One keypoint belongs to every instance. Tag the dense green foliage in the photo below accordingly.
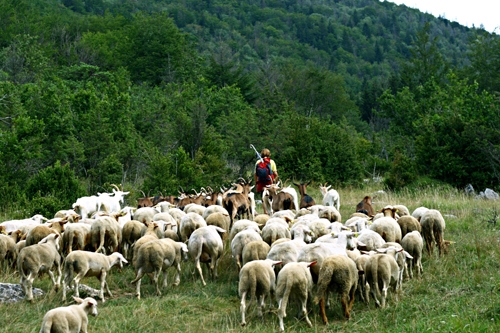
(161, 94)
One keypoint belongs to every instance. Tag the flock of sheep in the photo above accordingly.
(294, 253)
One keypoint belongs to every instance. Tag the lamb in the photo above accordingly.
(71, 319)
(295, 281)
(413, 243)
(338, 273)
(8, 254)
(257, 279)
(158, 255)
(84, 264)
(251, 233)
(76, 236)
(255, 250)
(38, 259)
(330, 196)
(382, 273)
(190, 223)
(433, 226)
(408, 223)
(205, 245)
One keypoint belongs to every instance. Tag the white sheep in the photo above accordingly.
(105, 232)
(76, 236)
(255, 250)
(338, 273)
(13, 225)
(38, 259)
(241, 225)
(205, 245)
(413, 243)
(330, 196)
(288, 251)
(145, 214)
(370, 240)
(158, 255)
(195, 208)
(419, 212)
(214, 209)
(70, 319)
(275, 229)
(190, 223)
(294, 281)
(85, 264)
(382, 273)
(433, 226)
(386, 226)
(251, 233)
(257, 279)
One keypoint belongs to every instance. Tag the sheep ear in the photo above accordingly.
(77, 299)
(383, 250)
(361, 243)
(407, 255)
(312, 264)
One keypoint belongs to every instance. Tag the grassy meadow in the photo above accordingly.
(457, 293)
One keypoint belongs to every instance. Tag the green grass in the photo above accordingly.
(457, 293)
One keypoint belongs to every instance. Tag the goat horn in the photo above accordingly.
(143, 194)
(116, 187)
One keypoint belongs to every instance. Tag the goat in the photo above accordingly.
(365, 206)
(238, 203)
(305, 199)
(279, 200)
(145, 201)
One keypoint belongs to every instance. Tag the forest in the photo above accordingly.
(159, 94)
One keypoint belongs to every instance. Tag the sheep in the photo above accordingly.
(360, 265)
(402, 210)
(251, 233)
(39, 232)
(164, 218)
(71, 319)
(382, 273)
(13, 225)
(105, 231)
(295, 281)
(240, 226)
(158, 255)
(145, 214)
(401, 257)
(190, 223)
(433, 226)
(387, 226)
(131, 232)
(330, 196)
(357, 223)
(285, 214)
(337, 273)
(219, 219)
(305, 199)
(177, 214)
(214, 209)
(257, 279)
(274, 229)
(288, 251)
(370, 240)
(8, 254)
(413, 243)
(419, 212)
(255, 250)
(39, 258)
(365, 206)
(150, 234)
(205, 245)
(76, 236)
(195, 208)
(85, 264)
(330, 213)
(408, 223)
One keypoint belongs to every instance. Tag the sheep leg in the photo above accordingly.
(52, 277)
(304, 311)
(345, 306)
(198, 268)
(178, 275)
(137, 282)
(352, 295)
(322, 310)
(76, 282)
(155, 280)
(243, 308)
(104, 285)
(281, 314)
(260, 306)
(384, 295)
(165, 276)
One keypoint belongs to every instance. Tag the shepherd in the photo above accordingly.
(265, 170)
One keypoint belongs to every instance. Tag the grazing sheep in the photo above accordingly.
(338, 273)
(386, 226)
(294, 281)
(360, 265)
(205, 245)
(38, 259)
(255, 250)
(190, 223)
(84, 264)
(433, 226)
(165, 218)
(76, 236)
(382, 273)
(413, 243)
(419, 212)
(158, 255)
(251, 233)
(365, 206)
(330, 196)
(257, 279)
(8, 254)
(408, 223)
(70, 319)
(330, 213)
(402, 210)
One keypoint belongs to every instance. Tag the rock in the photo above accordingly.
(11, 293)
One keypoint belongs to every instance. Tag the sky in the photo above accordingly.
(465, 12)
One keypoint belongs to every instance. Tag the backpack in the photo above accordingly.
(263, 171)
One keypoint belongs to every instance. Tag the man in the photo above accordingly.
(265, 172)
